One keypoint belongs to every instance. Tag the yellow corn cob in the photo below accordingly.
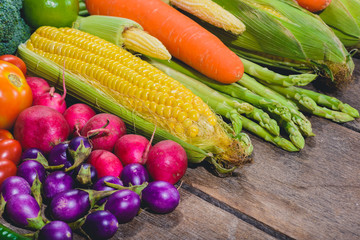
(137, 86)
(140, 41)
(212, 13)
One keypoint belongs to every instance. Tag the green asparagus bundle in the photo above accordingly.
(281, 34)
(273, 106)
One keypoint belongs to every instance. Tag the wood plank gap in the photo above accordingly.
(351, 126)
(244, 217)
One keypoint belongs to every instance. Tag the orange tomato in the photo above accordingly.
(15, 94)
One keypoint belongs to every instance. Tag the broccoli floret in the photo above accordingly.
(13, 29)
(21, 34)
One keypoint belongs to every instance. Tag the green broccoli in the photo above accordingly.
(13, 29)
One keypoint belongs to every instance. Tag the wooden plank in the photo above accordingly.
(194, 218)
(313, 194)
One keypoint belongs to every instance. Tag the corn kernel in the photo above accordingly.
(212, 120)
(175, 112)
(160, 109)
(167, 111)
(194, 115)
(181, 116)
(187, 122)
(193, 131)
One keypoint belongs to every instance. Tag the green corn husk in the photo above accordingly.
(281, 34)
(42, 67)
(343, 16)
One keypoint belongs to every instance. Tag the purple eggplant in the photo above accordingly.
(124, 204)
(161, 197)
(33, 154)
(134, 174)
(100, 225)
(100, 185)
(79, 149)
(59, 156)
(24, 211)
(57, 182)
(30, 169)
(56, 230)
(71, 205)
(85, 174)
(14, 185)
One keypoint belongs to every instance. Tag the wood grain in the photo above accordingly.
(313, 194)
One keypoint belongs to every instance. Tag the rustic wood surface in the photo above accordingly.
(312, 194)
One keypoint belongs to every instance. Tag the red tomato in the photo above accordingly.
(15, 94)
(7, 169)
(10, 149)
(5, 134)
(16, 61)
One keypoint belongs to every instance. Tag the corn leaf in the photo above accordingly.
(281, 34)
(343, 16)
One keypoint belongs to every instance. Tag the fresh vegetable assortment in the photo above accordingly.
(93, 165)
(81, 189)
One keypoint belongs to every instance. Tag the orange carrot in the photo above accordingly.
(185, 39)
(314, 5)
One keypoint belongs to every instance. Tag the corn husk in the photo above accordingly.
(343, 16)
(282, 34)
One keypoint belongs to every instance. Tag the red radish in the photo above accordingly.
(132, 148)
(105, 163)
(40, 127)
(108, 135)
(77, 116)
(39, 86)
(53, 100)
(167, 161)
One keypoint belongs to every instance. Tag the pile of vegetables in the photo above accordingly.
(104, 175)
(156, 93)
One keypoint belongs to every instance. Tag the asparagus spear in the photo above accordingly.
(261, 132)
(261, 117)
(293, 131)
(309, 105)
(271, 77)
(281, 113)
(319, 98)
(297, 117)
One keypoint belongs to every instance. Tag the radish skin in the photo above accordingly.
(131, 148)
(52, 99)
(105, 163)
(39, 86)
(40, 127)
(77, 116)
(106, 137)
(167, 161)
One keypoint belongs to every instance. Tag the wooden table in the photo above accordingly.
(312, 194)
